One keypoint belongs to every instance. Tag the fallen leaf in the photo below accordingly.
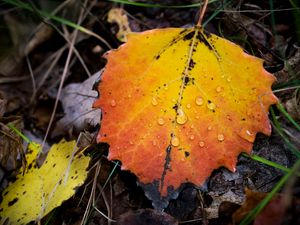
(212, 211)
(273, 213)
(179, 103)
(118, 16)
(77, 101)
(36, 191)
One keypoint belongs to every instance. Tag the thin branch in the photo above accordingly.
(202, 12)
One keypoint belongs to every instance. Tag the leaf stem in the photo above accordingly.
(202, 12)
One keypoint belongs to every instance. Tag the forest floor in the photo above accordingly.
(36, 66)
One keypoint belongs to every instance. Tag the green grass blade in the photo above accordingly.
(295, 83)
(287, 115)
(149, 5)
(216, 12)
(296, 15)
(61, 20)
(267, 162)
(18, 132)
(254, 212)
(273, 22)
(279, 130)
(110, 175)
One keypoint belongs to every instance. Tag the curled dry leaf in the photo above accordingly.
(179, 103)
(77, 101)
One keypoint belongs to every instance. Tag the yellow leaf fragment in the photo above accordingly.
(37, 191)
(118, 16)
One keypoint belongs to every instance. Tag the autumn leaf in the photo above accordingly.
(37, 191)
(178, 103)
(118, 16)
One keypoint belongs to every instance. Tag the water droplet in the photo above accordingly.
(181, 117)
(219, 89)
(209, 128)
(228, 79)
(197, 117)
(173, 100)
(154, 142)
(221, 137)
(150, 124)
(131, 142)
(247, 135)
(161, 121)
(129, 96)
(192, 137)
(175, 141)
(201, 144)
(199, 100)
(211, 106)
(188, 106)
(154, 101)
(113, 103)
(166, 87)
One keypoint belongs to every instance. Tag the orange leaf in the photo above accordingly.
(179, 103)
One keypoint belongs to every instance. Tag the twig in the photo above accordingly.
(202, 12)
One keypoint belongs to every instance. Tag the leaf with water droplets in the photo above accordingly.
(204, 98)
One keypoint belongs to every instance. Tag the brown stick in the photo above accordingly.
(203, 9)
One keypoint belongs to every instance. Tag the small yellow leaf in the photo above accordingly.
(118, 16)
(37, 191)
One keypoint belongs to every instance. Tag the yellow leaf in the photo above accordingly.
(118, 16)
(37, 191)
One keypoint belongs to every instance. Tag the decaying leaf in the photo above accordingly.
(179, 103)
(77, 101)
(212, 211)
(118, 15)
(273, 213)
(37, 191)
